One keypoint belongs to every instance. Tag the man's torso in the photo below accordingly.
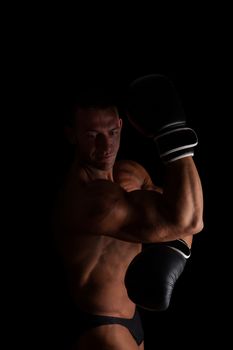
(96, 264)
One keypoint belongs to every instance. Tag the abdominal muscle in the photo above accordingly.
(97, 266)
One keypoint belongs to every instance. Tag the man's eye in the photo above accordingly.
(91, 135)
(114, 132)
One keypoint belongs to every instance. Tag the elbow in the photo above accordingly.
(187, 224)
(194, 226)
(197, 226)
(197, 223)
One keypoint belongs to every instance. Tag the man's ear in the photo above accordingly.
(120, 122)
(69, 134)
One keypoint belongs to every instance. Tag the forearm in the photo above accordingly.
(182, 195)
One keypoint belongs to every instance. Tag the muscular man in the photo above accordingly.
(104, 213)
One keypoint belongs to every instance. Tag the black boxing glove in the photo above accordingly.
(152, 274)
(155, 109)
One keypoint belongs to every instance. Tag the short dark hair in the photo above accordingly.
(99, 97)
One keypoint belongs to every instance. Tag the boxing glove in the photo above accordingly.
(155, 109)
(152, 274)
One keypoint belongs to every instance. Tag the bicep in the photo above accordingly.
(138, 216)
(135, 216)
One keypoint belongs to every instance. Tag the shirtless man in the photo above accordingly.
(105, 211)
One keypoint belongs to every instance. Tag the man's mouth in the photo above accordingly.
(103, 157)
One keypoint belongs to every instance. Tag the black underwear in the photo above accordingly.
(134, 325)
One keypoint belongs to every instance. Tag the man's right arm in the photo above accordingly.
(145, 216)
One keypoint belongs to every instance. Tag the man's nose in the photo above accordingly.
(104, 143)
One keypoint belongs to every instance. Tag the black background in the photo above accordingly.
(52, 71)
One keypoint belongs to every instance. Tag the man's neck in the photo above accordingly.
(89, 173)
(96, 174)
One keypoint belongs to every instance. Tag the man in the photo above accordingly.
(105, 212)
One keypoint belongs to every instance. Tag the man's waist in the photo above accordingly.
(105, 303)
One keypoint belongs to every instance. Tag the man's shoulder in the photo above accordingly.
(126, 171)
(130, 175)
(128, 165)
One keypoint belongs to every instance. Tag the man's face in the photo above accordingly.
(97, 135)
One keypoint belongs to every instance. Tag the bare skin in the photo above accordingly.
(105, 212)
